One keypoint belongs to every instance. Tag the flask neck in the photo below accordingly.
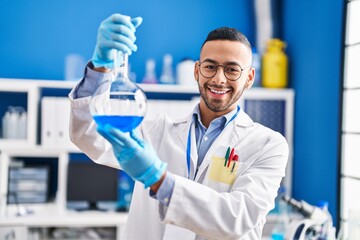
(121, 66)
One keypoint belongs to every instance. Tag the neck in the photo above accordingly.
(208, 115)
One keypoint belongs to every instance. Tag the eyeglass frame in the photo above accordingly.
(223, 66)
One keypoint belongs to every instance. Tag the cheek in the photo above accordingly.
(239, 86)
(202, 82)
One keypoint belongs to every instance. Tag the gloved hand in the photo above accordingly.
(136, 157)
(115, 32)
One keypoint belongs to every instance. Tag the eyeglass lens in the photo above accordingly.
(231, 71)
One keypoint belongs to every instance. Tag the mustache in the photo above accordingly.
(220, 87)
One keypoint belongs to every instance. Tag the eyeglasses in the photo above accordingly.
(231, 71)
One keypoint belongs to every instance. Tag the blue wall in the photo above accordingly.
(36, 36)
(313, 30)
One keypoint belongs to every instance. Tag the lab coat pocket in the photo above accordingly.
(224, 166)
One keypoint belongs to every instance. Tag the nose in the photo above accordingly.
(219, 76)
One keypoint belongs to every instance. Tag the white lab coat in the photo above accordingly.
(198, 209)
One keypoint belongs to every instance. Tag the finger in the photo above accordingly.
(118, 46)
(118, 38)
(120, 29)
(136, 21)
(108, 36)
(123, 39)
(108, 136)
(122, 19)
(110, 31)
(136, 136)
(121, 136)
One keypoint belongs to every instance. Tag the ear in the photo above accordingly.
(196, 71)
(250, 78)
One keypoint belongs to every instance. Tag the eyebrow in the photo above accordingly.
(215, 62)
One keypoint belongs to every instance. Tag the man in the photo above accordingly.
(211, 175)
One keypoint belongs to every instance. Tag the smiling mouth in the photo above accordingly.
(219, 92)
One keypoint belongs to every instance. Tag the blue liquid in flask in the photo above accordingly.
(124, 123)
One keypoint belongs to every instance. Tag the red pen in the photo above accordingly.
(236, 159)
(231, 157)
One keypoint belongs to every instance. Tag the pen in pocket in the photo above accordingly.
(236, 159)
(227, 156)
(231, 157)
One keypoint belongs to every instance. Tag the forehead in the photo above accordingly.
(224, 51)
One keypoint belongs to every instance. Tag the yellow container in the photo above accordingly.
(275, 65)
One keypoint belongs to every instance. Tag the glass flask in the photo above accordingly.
(123, 103)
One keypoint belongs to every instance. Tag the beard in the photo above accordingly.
(219, 105)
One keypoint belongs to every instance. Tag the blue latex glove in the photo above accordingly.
(136, 157)
(115, 32)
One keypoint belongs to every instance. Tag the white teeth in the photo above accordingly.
(217, 92)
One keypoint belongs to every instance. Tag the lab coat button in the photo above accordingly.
(166, 200)
(205, 138)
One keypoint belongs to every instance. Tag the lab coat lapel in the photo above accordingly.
(173, 232)
(183, 134)
(183, 127)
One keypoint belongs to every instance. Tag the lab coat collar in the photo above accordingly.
(242, 120)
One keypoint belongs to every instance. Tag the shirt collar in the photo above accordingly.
(224, 119)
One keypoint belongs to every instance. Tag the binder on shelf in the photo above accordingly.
(55, 120)
(48, 122)
(28, 184)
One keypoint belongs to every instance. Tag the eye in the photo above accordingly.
(232, 69)
(209, 66)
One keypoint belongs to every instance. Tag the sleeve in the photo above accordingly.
(165, 190)
(88, 84)
(82, 129)
(234, 214)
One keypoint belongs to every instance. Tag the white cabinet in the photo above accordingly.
(53, 214)
(48, 120)
(32, 90)
(12, 155)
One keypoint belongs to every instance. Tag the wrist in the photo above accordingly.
(99, 69)
(155, 187)
(153, 174)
